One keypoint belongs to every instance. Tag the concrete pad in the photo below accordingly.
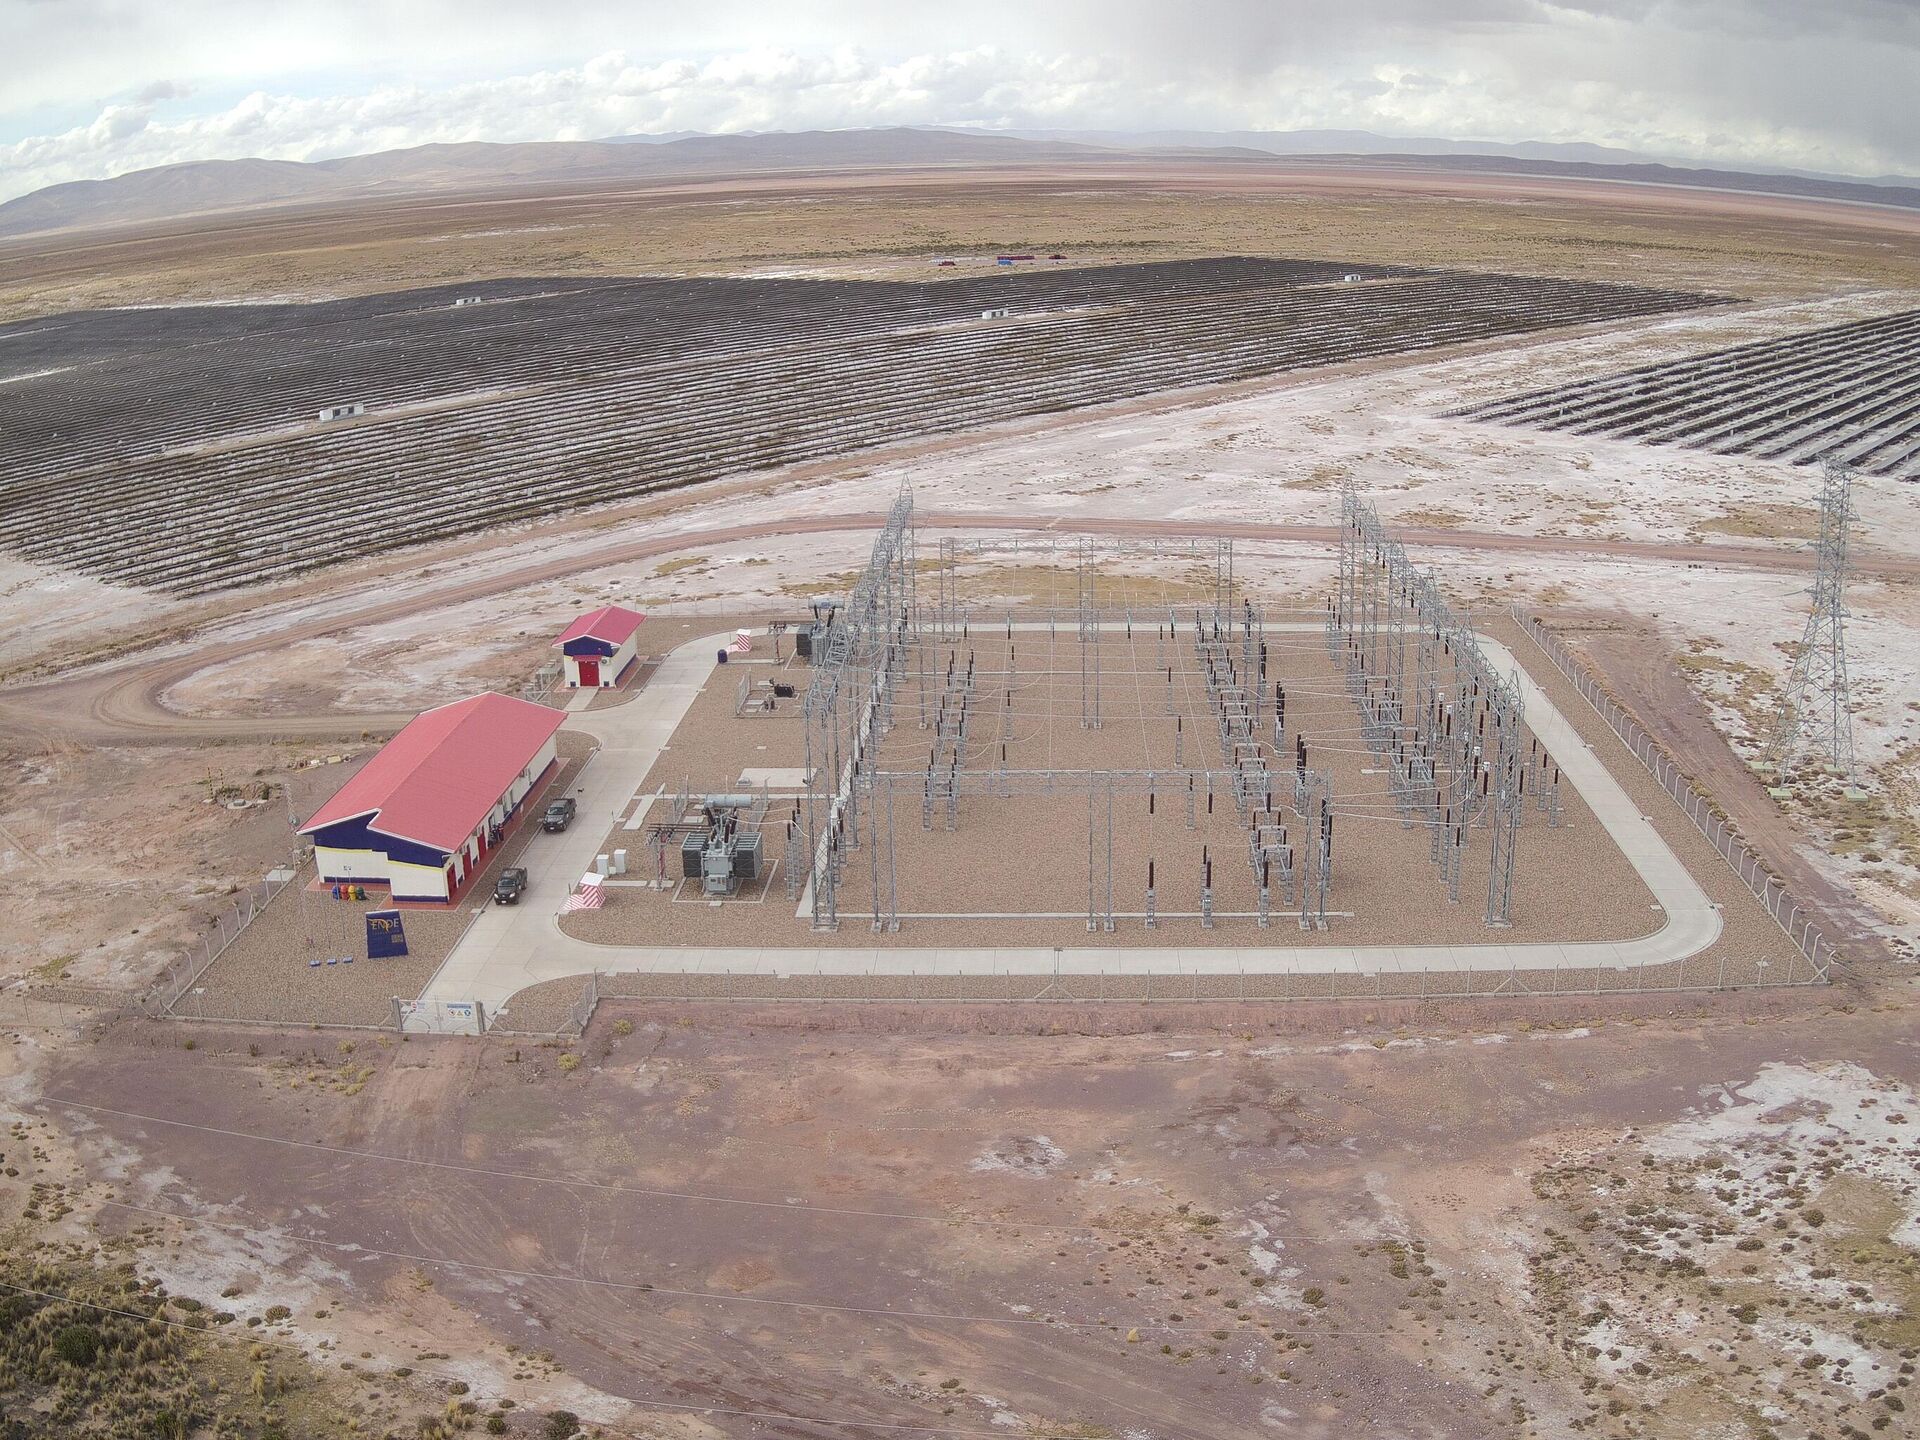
(775, 779)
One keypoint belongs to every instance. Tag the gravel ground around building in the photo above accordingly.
(712, 745)
(266, 975)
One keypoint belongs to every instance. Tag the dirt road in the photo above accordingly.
(1230, 1231)
(120, 703)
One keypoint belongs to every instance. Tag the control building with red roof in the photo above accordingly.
(423, 813)
(596, 649)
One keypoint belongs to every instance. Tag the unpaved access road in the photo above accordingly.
(120, 703)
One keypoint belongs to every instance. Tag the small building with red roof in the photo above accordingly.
(596, 649)
(422, 814)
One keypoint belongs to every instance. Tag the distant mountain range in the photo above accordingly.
(1366, 142)
(1320, 142)
(207, 186)
(200, 186)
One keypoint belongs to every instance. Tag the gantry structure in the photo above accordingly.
(1435, 714)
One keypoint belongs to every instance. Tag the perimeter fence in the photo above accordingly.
(184, 971)
(1696, 975)
(1767, 888)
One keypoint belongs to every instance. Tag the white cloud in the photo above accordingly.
(1727, 81)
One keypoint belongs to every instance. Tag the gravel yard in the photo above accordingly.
(1571, 882)
(266, 975)
(1025, 859)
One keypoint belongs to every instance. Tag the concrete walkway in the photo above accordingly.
(507, 950)
(505, 940)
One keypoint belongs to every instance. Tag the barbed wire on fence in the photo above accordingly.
(1761, 882)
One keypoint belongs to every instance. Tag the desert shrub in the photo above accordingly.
(77, 1345)
(562, 1424)
(14, 1309)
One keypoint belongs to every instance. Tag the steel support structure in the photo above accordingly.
(1456, 746)
(1089, 607)
(849, 701)
(1816, 716)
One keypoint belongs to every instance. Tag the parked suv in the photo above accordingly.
(512, 883)
(559, 815)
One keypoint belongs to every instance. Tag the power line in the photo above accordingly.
(1815, 714)
(678, 1406)
(708, 1296)
(599, 1186)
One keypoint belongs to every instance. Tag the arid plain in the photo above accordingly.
(1618, 1215)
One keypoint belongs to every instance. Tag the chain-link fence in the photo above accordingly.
(58, 1005)
(184, 971)
(539, 687)
(1720, 970)
(537, 1016)
(1766, 887)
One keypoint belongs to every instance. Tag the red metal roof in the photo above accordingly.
(611, 623)
(435, 781)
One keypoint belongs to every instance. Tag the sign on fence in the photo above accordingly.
(440, 1017)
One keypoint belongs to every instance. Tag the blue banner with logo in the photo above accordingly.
(385, 936)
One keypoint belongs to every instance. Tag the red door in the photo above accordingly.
(589, 671)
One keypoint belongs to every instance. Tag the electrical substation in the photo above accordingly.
(1158, 755)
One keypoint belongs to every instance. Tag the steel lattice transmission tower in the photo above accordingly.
(1814, 715)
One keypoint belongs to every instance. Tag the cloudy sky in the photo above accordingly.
(92, 88)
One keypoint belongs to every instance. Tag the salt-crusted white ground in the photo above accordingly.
(1279, 456)
(1273, 456)
(496, 642)
(42, 609)
(1789, 1111)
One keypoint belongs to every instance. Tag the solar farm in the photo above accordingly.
(235, 445)
(1849, 394)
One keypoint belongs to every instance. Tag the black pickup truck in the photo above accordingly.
(511, 885)
(559, 815)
